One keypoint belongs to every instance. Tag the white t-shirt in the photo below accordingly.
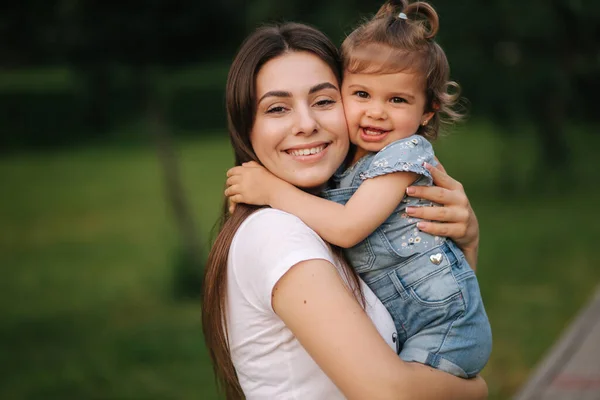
(269, 360)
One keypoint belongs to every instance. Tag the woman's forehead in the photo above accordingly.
(294, 71)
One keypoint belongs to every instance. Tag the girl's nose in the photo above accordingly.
(375, 113)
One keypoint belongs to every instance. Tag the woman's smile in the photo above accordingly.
(300, 132)
(308, 152)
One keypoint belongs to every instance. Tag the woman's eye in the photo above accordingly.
(397, 100)
(361, 94)
(324, 102)
(276, 110)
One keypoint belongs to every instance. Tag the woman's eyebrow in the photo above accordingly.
(283, 93)
(321, 86)
(275, 93)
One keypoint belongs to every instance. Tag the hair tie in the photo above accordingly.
(402, 16)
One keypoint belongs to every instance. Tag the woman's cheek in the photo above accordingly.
(335, 123)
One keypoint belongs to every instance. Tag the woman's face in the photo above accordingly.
(300, 131)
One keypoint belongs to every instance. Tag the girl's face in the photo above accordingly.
(383, 108)
(300, 132)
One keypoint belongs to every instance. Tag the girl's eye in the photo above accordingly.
(397, 100)
(361, 94)
(276, 110)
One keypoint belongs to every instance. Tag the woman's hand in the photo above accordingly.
(454, 218)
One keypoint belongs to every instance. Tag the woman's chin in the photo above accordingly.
(311, 182)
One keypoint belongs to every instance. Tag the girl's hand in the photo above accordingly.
(250, 183)
(454, 219)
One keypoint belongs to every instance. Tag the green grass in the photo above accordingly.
(88, 246)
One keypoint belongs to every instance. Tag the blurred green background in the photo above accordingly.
(113, 152)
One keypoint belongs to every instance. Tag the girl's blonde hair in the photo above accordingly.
(400, 37)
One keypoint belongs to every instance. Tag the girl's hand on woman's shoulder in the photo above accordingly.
(454, 218)
(251, 183)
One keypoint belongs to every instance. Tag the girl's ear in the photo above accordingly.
(426, 117)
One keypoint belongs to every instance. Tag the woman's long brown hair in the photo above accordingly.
(263, 45)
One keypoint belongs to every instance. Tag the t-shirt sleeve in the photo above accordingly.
(406, 155)
(265, 247)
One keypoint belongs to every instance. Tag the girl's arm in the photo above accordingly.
(454, 219)
(323, 314)
(343, 225)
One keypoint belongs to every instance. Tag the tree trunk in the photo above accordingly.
(188, 267)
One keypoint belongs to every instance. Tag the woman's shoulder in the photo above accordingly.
(269, 215)
(266, 245)
(276, 231)
(271, 224)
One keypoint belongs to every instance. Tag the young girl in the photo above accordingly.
(395, 89)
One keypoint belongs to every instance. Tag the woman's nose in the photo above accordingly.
(305, 122)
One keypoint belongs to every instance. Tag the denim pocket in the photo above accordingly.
(361, 256)
(433, 296)
(436, 289)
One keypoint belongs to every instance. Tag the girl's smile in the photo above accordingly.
(383, 108)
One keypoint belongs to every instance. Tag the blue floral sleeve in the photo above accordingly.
(405, 155)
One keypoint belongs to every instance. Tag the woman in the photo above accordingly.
(283, 315)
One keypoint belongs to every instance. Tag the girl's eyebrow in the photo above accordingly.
(403, 94)
(283, 93)
(394, 94)
(357, 85)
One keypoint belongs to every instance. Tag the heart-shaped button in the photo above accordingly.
(436, 258)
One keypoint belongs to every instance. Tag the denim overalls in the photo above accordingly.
(423, 280)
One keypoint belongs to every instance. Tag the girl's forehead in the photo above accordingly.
(409, 79)
(384, 59)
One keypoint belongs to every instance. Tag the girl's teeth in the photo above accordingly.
(372, 132)
(307, 152)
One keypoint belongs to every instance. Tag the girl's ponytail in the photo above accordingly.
(391, 8)
(424, 12)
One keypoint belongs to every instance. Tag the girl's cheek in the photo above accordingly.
(352, 112)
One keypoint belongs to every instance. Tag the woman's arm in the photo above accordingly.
(343, 225)
(323, 314)
(454, 219)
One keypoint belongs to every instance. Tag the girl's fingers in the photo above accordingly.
(238, 170)
(234, 171)
(233, 180)
(233, 195)
(452, 230)
(232, 191)
(231, 205)
(237, 198)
